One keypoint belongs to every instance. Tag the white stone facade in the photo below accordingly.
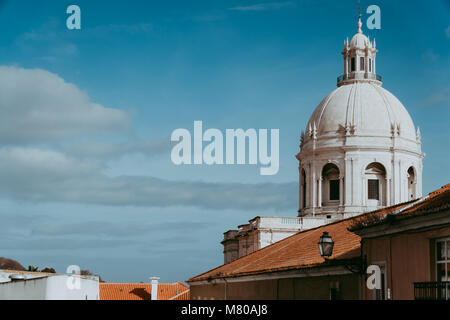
(261, 232)
(360, 151)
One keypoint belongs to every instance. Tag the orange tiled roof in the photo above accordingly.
(298, 251)
(301, 251)
(142, 291)
(436, 200)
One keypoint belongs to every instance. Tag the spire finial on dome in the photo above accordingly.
(359, 17)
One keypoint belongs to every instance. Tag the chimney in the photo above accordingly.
(154, 288)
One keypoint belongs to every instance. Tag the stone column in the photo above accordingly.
(341, 190)
(388, 192)
(364, 193)
(348, 174)
(313, 188)
(319, 193)
(381, 192)
(345, 65)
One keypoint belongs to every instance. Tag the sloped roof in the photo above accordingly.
(435, 201)
(301, 250)
(142, 291)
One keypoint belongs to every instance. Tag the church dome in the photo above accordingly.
(363, 108)
(360, 151)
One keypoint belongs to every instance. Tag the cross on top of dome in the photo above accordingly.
(359, 17)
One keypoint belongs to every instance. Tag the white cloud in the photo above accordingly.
(264, 6)
(48, 176)
(39, 106)
(110, 150)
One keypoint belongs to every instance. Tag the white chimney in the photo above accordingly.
(154, 288)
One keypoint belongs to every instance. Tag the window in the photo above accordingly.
(334, 189)
(373, 188)
(304, 189)
(353, 65)
(370, 65)
(381, 294)
(334, 290)
(443, 260)
(361, 63)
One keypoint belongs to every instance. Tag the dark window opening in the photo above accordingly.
(334, 294)
(304, 191)
(334, 189)
(370, 65)
(373, 189)
(361, 63)
(381, 293)
(353, 65)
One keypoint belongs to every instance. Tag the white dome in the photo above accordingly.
(359, 41)
(366, 109)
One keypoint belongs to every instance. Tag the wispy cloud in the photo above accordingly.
(39, 175)
(103, 150)
(105, 228)
(442, 95)
(430, 55)
(264, 6)
(131, 29)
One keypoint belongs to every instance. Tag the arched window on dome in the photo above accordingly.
(375, 184)
(352, 65)
(303, 188)
(330, 185)
(361, 63)
(370, 65)
(411, 183)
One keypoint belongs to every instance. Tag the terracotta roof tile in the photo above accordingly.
(297, 251)
(142, 291)
(436, 200)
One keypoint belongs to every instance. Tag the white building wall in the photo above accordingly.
(54, 287)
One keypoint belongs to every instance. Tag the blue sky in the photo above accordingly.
(86, 115)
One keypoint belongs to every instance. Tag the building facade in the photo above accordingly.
(22, 285)
(412, 249)
(261, 232)
(360, 152)
(409, 242)
(360, 169)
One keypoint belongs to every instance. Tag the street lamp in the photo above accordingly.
(326, 245)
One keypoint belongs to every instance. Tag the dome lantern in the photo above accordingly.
(359, 59)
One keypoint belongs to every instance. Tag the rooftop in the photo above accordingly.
(142, 291)
(300, 251)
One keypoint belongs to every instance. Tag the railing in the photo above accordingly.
(432, 290)
(352, 76)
